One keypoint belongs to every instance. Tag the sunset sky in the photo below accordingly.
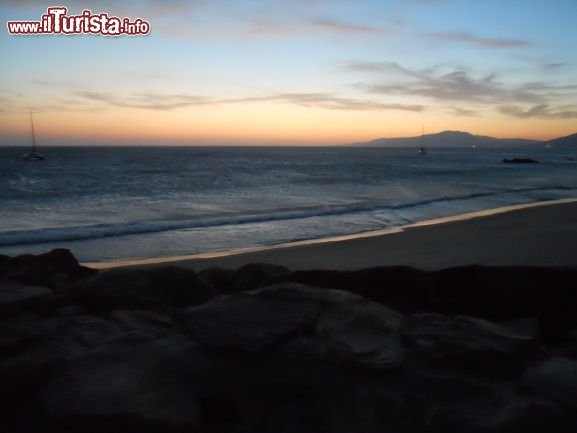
(293, 72)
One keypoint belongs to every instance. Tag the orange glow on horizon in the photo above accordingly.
(264, 124)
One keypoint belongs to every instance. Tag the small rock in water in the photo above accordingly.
(520, 161)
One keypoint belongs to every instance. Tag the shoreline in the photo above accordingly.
(260, 252)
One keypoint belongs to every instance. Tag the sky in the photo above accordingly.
(299, 72)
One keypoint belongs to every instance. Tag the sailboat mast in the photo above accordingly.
(423, 136)
(32, 129)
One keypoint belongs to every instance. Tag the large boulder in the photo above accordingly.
(134, 288)
(555, 378)
(16, 298)
(256, 275)
(472, 345)
(300, 322)
(568, 347)
(55, 269)
(218, 278)
(248, 277)
(501, 413)
(33, 350)
(135, 383)
(250, 321)
(151, 322)
(493, 293)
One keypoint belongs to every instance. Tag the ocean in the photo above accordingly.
(124, 203)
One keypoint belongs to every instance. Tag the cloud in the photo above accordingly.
(457, 85)
(52, 83)
(71, 107)
(10, 92)
(343, 27)
(332, 102)
(480, 41)
(145, 100)
(304, 26)
(554, 65)
(174, 101)
(463, 112)
(524, 100)
(542, 111)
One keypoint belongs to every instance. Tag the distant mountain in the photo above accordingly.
(448, 139)
(569, 141)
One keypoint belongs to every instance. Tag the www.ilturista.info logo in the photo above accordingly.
(56, 21)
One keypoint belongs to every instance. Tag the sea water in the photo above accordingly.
(121, 203)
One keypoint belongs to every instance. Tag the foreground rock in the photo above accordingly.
(556, 379)
(15, 298)
(134, 288)
(53, 269)
(261, 349)
(248, 277)
(301, 322)
(472, 345)
(134, 383)
(492, 293)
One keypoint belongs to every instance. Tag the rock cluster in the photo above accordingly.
(262, 349)
(520, 161)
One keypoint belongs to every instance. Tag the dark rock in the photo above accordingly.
(53, 341)
(117, 352)
(472, 415)
(18, 335)
(501, 414)
(534, 416)
(472, 345)
(136, 383)
(147, 321)
(218, 278)
(301, 322)
(256, 275)
(349, 329)
(248, 277)
(568, 347)
(250, 321)
(520, 161)
(67, 311)
(34, 351)
(3, 260)
(398, 286)
(53, 269)
(362, 333)
(555, 379)
(16, 298)
(493, 293)
(133, 288)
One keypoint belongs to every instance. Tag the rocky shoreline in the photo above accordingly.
(262, 349)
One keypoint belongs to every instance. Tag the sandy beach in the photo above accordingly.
(541, 235)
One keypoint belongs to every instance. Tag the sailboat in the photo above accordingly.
(422, 150)
(33, 154)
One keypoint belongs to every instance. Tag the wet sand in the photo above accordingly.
(544, 235)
